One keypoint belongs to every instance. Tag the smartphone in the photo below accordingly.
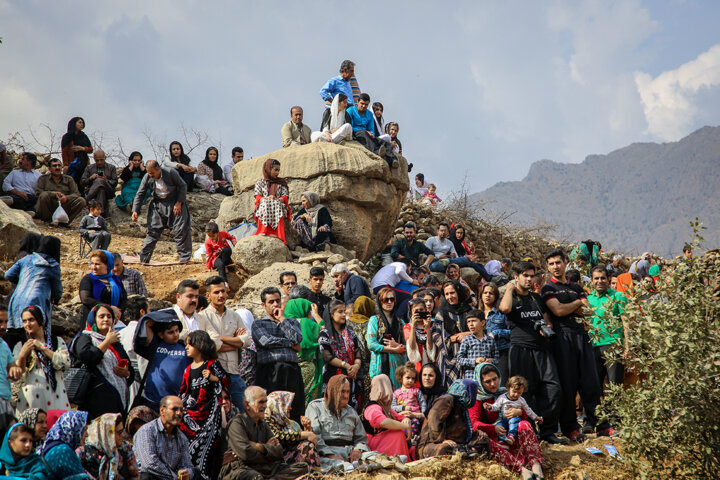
(123, 363)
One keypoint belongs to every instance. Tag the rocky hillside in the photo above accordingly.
(637, 198)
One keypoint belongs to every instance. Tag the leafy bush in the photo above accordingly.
(670, 420)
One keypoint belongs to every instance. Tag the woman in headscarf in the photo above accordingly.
(431, 385)
(75, 147)
(101, 285)
(340, 433)
(466, 252)
(271, 201)
(309, 357)
(137, 417)
(37, 277)
(28, 244)
(336, 126)
(42, 358)
(105, 455)
(60, 444)
(339, 348)
(131, 178)
(387, 430)
(449, 329)
(385, 337)
(98, 347)
(362, 310)
(18, 456)
(448, 428)
(181, 163)
(313, 222)
(53, 416)
(524, 455)
(298, 442)
(210, 168)
(36, 419)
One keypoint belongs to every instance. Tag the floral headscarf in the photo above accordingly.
(101, 436)
(332, 393)
(482, 395)
(68, 429)
(29, 417)
(143, 414)
(278, 408)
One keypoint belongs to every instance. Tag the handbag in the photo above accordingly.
(77, 380)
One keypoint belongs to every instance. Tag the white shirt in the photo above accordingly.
(227, 171)
(440, 247)
(161, 188)
(493, 268)
(189, 323)
(390, 275)
(22, 181)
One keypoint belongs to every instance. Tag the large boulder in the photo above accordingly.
(255, 253)
(362, 193)
(13, 225)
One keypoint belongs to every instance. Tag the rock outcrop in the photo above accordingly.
(13, 225)
(362, 193)
(255, 253)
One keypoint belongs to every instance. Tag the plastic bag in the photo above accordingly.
(60, 216)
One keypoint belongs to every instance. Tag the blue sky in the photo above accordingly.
(478, 88)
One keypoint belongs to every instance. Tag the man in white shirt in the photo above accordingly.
(20, 184)
(228, 331)
(391, 275)
(186, 301)
(237, 156)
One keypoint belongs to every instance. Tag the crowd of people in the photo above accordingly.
(418, 362)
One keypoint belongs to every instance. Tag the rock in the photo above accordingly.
(255, 253)
(575, 460)
(361, 192)
(203, 208)
(66, 320)
(335, 258)
(471, 277)
(13, 225)
(315, 257)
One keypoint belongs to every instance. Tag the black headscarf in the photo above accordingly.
(393, 328)
(184, 159)
(460, 309)
(458, 243)
(79, 139)
(436, 390)
(216, 169)
(29, 243)
(50, 246)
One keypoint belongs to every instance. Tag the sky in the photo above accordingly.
(480, 89)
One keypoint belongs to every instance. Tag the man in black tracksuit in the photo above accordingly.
(530, 354)
(574, 355)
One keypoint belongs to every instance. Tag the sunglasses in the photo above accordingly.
(389, 299)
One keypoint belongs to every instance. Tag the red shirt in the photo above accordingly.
(213, 247)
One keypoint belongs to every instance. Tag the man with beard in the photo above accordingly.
(409, 247)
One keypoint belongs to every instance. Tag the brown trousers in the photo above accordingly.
(47, 203)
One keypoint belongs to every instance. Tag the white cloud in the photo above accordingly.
(671, 100)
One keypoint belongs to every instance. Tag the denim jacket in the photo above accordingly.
(496, 324)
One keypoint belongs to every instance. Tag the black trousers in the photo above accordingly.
(503, 365)
(543, 395)
(223, 260)
(283, 376)
(615, 371)
(373, 144)
(20, 203)
(575, 359)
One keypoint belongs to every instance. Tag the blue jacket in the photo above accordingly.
(337, 85)
(38, 283)
(496, 323)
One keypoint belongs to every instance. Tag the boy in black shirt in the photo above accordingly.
(574, 355)
(529, 354)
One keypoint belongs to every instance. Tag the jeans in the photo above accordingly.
(237, 391)
(465, 262)
(510, 424)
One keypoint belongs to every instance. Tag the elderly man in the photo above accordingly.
(348, 285)
(161, 449)
(277, 341)
(167, 209)
(99, 180)
(132, 279)
(252, 452)
(294, 133)
(20, 184)
(55, 187)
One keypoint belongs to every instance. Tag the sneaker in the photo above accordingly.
(577, 436)
(588, 429)
(555, 440)
(607, 432)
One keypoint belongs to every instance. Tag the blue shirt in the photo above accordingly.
(273, 340)
(166, 369)
(362, 121)
(6, 358)
(159, 454)
(337, 85)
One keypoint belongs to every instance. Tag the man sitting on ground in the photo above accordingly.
(99, 180)
(252, 452)
(132, 279)
(363, 125)
(55, 187)
(237, 156)
(295, 133)
(20, 185)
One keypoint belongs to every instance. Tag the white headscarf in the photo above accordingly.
(336, 119)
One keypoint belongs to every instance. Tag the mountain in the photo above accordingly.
(637, 198)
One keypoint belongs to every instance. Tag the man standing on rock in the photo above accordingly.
(294, 133)
(277, 341)
(167, 209)
(340, 84)
(99, 180)
(55, 187)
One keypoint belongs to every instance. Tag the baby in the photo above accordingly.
(431, 197)
(408, 400)
(516, 386)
